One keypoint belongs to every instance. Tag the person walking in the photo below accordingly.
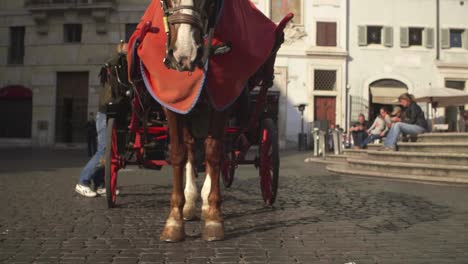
(412, 122)
(91, 135)
(94, 170)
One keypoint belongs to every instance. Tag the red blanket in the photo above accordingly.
(251, 34)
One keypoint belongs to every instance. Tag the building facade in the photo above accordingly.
(311, 65)
(411, 46)
(340, 58)
(54, 50)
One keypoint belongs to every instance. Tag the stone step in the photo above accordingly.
(410, 168)
(443, 137)
(449, 147)
(349, 153)
(428, 147)
(346, 170)
(329, 159)
(419, 157)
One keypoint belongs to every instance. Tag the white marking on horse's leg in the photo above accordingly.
(172, 222)
(190, 192)
(205, 194)
(185, 45)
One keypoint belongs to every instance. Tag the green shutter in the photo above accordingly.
(465, 40)
(429, 38)
(445, 38)
(362, 35)
(388, 36)
(404, 37)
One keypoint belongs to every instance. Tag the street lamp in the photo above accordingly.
(302, 137)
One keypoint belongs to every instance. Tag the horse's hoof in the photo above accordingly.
(173, 233)
(189, 212)
(213, 231)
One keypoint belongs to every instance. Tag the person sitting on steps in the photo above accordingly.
(359, 131)
(413, 122)
(379, 128)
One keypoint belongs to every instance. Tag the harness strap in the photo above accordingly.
(185, 19)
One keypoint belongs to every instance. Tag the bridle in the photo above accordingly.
(199, 18)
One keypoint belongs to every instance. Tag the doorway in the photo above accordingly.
(71, 107)
(325, 109)
(16, 106)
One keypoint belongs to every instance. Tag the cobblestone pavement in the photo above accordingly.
(318, 217)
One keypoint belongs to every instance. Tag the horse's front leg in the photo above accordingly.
(190, 192)
(174, 229)
(211, 194)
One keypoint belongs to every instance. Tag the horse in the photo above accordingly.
(188, 28)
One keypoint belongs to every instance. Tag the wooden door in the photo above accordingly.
(71, 107)
(325, 109)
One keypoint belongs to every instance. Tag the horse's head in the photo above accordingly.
(188, 22)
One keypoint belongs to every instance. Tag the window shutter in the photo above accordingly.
(404, 37)
(466, 38)
(388, 36)
(429, 38)
(362, 35)
(445, 38)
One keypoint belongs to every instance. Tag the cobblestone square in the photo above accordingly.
(318, 217)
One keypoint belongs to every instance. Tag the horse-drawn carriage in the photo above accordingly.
(165, 89)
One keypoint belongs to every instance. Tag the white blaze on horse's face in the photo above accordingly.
(186, 48)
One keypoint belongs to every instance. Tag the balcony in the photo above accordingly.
(52, 5)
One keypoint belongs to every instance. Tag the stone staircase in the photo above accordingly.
(437, 157)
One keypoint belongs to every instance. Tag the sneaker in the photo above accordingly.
(85, 190)
(102, 191)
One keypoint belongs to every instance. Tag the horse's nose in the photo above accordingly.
(184, 63)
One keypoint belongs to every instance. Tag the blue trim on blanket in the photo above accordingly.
(149, 88)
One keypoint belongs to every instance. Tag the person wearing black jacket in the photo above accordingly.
(413, 122)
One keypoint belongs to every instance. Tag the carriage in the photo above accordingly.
(196, 70)
(137, 134)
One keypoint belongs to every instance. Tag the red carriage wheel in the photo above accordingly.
(269, 161)
(112, 165)
(228, 169)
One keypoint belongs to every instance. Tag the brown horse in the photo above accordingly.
(188, 25)
(188, 21)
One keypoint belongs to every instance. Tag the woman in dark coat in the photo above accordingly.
(412, 123)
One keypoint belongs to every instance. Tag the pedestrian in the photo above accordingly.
(358, 131)
(94, 170)
(91, 135)
(412, 122)
(379, 128)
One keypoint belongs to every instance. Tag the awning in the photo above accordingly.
(386, 95)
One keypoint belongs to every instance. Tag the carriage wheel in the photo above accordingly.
(269, 161)
(112, 163)
(228, 169)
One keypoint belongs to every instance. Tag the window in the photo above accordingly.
(459, 85)
(16, 47)
(374, 35)
(415, 36)
(129, 29)
(456, 38)
(72, 33)
(279, 9)
(380, 35)
(325, 80)
(326, 34)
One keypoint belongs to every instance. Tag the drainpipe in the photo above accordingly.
(347, 68)
(437, 29)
